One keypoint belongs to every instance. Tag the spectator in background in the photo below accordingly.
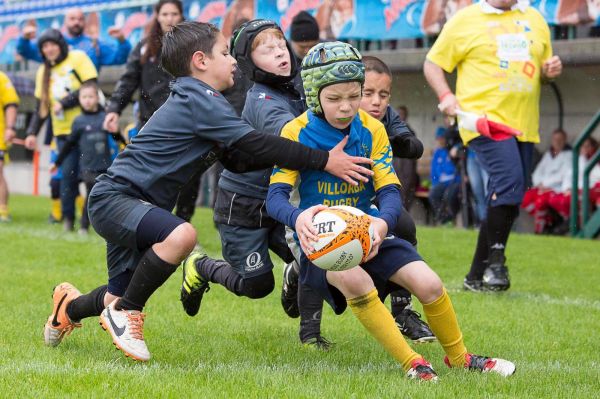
(57, 85)
(548, 178)
(9, 103)
(89, 142)
(145, 73)
(406, 168)
(304, 34)
(561, 202)
(445, 182)
(100, 52)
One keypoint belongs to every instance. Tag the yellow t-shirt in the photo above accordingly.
(63, 80)
(8, 95)
(499, 59)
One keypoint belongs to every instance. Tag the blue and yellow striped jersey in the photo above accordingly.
(367, 138)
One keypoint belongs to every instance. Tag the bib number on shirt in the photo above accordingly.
(513, 47)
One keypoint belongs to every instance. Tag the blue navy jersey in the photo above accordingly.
(394, 125)
(268, 110)
(183, 138)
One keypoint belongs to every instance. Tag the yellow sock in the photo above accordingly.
(79, 203)
(442, 320)
(56, 210)
(375, 317)
(4, 210)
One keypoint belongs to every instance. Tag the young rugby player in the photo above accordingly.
(333, 76)
(247, 232)
(90, 141)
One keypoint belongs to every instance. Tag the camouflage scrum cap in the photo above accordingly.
(326, 64)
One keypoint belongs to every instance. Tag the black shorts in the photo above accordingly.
(241, 210)
(247, 249)
(394, 253)
(116, 217)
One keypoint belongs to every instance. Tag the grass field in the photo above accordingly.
(548, 324)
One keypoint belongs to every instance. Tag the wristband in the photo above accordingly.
(446, 94)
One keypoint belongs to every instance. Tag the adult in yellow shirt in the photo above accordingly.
(9, 102)
(502, 52)
(57, 88)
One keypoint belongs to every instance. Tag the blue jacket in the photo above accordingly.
(100, 52)
(443, 170)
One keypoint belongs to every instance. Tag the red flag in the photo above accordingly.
(482, 125)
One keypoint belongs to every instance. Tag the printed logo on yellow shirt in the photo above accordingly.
(513, 47)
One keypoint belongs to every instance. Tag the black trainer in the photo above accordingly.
(495, 277)
(411, 326)
(318, 343)
(474, 285)
(193, 285)
(289, 291)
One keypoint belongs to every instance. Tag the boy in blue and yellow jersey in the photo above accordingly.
(333, 75)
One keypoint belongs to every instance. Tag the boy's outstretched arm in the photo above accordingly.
(256, 151)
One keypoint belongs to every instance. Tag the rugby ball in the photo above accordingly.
(345, 238)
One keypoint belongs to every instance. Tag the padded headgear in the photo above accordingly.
(54, 35)
(327, 64)
(241, 47)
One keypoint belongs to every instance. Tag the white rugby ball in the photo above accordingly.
(345, 238)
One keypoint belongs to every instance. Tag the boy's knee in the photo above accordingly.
(431, 291)
(184, 237)
(352, 283)
(259, 286)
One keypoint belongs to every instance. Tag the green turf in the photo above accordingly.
(548, 324)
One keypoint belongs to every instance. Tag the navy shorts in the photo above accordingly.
(118, 218)
(2, 155)
(247, 249)
(394, 253)
(503, 162)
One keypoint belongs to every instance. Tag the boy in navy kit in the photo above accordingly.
(333, 76)
(91, 141)
(247, 232)
(130, 206)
